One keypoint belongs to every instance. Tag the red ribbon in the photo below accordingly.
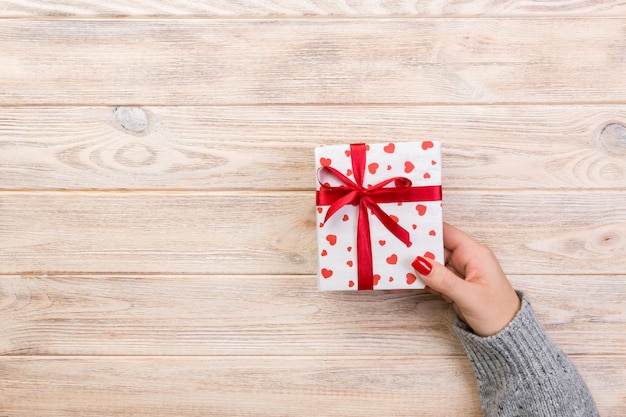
(353, 192)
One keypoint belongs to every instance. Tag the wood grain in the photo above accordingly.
(236, 386)
(309, 9)
(274, 233)
(251, 315)
(157, 229)
(320, 61)
(271, 148)
(264, 386)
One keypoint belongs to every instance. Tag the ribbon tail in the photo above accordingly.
(347, 199)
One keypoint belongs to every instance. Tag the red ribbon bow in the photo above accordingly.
(353, 192)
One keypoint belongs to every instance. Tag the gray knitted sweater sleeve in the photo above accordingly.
(520, 372)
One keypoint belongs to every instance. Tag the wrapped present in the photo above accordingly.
(378, 207)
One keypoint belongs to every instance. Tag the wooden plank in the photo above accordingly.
(296, 8)
(251, 315)
(263, 386)
(237, 386)
(274, 233)
(226, 148)
(233, 61)
(118, 230)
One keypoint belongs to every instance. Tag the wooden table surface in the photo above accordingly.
(157, 227)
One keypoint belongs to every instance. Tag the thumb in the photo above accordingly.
(439, 278)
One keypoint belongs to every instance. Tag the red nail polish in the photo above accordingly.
(422, 266)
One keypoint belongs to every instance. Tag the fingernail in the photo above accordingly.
(422, 266)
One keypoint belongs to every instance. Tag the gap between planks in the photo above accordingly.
(270, 193)
(165, 274)
(313, 357)
(321, 105)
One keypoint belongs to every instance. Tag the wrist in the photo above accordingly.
(489, 322)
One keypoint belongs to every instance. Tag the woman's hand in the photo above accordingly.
(473, 281)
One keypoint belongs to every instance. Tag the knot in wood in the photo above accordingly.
(132, 119)
(612, 139)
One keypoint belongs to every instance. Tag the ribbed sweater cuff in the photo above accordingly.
(520, 369)
(517, 349)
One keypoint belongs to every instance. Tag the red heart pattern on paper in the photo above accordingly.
(374, 168)
(429, 255)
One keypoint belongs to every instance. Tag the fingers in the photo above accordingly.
(447, 254)
(453, 238)
(459, 249)
(440, 279)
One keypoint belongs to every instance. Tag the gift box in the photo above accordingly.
(378, 207)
